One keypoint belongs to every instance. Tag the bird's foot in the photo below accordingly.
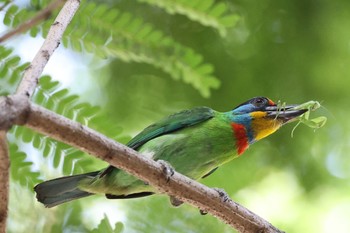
(167, 169)
(224, 196)
(175, 202)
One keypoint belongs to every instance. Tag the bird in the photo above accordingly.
(193, 142)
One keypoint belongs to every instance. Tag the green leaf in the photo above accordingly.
(50, 95)
(204, 5)
(69, 220)
(4, 52)
(10, 14)
(229, 20)
(10, 70)
(218, 10)
(105, 227)
(21, 169)
(206, 12)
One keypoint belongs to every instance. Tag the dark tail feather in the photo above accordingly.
(61, 190)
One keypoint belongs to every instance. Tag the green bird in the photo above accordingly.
(194, 142)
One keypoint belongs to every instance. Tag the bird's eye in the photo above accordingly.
(259, 102)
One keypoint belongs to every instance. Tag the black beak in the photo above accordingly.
(286, 113)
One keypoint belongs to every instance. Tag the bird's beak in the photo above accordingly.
(285, 114)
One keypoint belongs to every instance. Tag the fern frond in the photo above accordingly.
(68, 218)
(21, 168)
(105, 227)
(15, 16)
(108, 32)
(68, 159)
(206, 12)
(10, 70)
(51, 96)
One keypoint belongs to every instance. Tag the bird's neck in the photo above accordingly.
(242, 132)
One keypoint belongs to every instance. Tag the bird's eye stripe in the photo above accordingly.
(271, 103)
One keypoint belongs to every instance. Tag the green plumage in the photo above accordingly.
(172, 123)
(194, 142)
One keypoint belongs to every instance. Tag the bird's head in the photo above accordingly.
(258, 118)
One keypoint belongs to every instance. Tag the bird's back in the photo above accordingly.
(193, 151)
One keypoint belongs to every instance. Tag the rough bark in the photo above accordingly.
(4, 180)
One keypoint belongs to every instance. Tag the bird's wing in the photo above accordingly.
(168, 125)
(171, 124)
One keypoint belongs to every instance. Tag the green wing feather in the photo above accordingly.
(168, 125)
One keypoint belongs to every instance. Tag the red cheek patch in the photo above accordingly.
(240, 134)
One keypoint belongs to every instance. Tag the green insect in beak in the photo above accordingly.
(194, 142)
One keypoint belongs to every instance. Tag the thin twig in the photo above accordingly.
(33, 72)
(5, 5)
(4, 180)
(42, 15)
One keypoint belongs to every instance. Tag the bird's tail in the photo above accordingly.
(61, 190)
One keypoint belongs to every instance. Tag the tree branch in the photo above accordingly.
(179, 186)
(52, 41)
(42, 15)
(12, 107)
(4, 180)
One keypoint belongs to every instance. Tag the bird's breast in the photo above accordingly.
(193, 151)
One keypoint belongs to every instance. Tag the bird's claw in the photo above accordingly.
(167, 169)
(175, 202)
(224, 196)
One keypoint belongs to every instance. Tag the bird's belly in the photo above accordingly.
(193, 156)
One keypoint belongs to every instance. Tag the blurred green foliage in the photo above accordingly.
(292, 51)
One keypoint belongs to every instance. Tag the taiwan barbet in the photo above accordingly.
(194, 142)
